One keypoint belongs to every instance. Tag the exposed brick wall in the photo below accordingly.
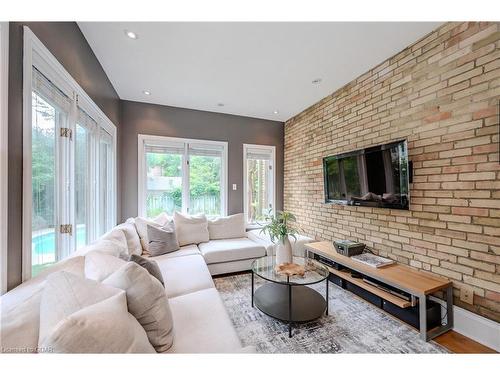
(442, 95)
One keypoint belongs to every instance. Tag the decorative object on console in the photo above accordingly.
(372, 260)
(279, 229)
(348, 248)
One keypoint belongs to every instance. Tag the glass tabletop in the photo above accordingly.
(314, 271)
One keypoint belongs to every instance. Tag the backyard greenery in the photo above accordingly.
(204, 182)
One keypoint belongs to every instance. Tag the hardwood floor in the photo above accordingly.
(457, 343)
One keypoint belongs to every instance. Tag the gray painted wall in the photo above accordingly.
(67, 43)
(151, 119)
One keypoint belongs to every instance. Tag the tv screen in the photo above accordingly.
(376, 176)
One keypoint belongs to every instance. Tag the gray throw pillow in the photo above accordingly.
(150, 265)
(162, 240)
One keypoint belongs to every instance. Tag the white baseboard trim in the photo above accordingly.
(475, 327)
(482, 330)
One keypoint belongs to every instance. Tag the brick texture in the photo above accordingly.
(441, 94)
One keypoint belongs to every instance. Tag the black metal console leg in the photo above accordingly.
(252, 287)
(422, 302)
(289, 311)
(327, 300)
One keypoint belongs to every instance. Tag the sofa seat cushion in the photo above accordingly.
(183, 251)
(228, 250)
(184, 275)
(202, 324)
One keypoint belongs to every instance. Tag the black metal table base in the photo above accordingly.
(290, 303)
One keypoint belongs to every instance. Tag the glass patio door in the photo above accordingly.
(50, 116)
(83, 181)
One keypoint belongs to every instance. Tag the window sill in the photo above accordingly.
(254, 226)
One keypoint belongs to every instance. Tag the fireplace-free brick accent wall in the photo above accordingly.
(442, 95)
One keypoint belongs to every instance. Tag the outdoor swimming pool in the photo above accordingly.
(44, 244)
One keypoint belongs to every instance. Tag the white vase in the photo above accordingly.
(284, 252)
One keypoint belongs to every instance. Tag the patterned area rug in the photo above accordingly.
(353, 325)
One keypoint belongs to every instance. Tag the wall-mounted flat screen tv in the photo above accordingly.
(376, 177)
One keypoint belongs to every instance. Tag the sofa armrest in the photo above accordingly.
(256, 236)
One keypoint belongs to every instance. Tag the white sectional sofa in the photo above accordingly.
(201, 323)
(200, 320)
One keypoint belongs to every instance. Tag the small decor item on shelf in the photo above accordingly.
(279, 229)
(290, 269)
(372, 260)
(348, 248)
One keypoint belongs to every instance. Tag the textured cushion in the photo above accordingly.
(20, 308)
(64, 294)
(219, 251)
(183, 251)
(147, 302)
(116, 235)
(141, 225)
(162, 240)
(98, 265)
(133, 241)
(202, 324)
(111, 247)
(104, 327)
(227, 227)
(185, 275)
(191, 229)
(149, 265)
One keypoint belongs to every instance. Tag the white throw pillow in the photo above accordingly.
(104, 246)
(147, 302)
(115, 235)
(104, 327)
(20, 308)
(65, 293)
(133, 241)
(99, 265)
(142, 228)
(232, 226)
(191, 229)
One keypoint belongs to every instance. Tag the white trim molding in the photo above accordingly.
(475, 327)
(264, 148)
(482, 330)
(4, 142)
(152, 140)
(38, 56)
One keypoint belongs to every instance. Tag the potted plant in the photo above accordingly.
(279, 228)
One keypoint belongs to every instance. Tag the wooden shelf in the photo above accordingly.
(372, 289)
(410, 280)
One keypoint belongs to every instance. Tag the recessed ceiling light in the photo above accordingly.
(316, 81)
(131, 34)
(146, 92)
(220, 104)
(276, 111)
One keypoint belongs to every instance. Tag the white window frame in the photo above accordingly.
(4, 103)
(144, 139)
(37, 55)
(266, 148)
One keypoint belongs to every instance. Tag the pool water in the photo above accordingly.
(45, 244)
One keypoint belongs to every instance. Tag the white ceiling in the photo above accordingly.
(253, 68)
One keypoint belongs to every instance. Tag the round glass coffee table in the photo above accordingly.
(288, 298)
